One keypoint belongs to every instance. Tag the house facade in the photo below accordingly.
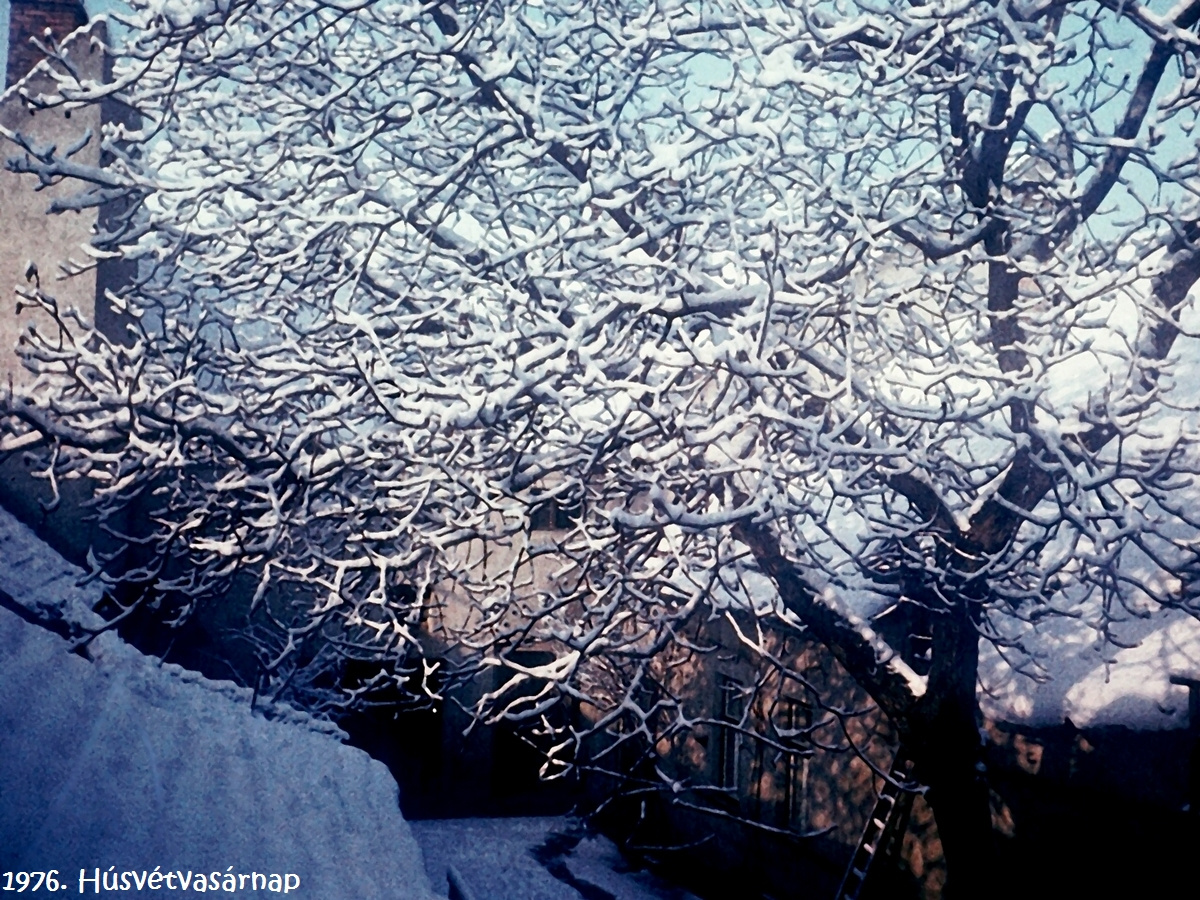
(40, 250)
(49, 251)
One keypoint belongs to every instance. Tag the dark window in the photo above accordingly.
(732, 704)
(791, 718)
(554, 515)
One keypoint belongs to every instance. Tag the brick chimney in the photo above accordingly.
(31, 18)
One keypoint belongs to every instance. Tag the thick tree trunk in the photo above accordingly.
(939, 728)
(948, 757)
(944, 740)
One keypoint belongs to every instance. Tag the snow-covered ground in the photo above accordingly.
(123, 762)
(549, 858)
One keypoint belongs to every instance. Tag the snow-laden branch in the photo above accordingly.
(540, 339)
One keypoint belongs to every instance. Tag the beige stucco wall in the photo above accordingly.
(27, 232)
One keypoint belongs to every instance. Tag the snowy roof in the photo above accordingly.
(123, 761)
(1096, 684)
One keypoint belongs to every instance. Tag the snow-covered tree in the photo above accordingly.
(797, 309)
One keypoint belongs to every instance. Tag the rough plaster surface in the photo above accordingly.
(54, 243)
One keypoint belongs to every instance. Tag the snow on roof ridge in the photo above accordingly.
(53, 590)
(121, 763)
(41, 581)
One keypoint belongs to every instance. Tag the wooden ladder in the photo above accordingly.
(884, 831)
